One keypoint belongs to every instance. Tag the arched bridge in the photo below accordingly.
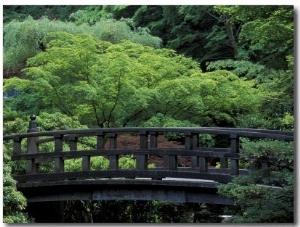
(169, 182)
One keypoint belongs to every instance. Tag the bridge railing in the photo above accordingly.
(148, 145)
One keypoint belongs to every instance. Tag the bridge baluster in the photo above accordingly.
(17, 144)
(100, 140)
(188, 140)
(198, 161)
(32, 146)
(234, 149)
(195, 159)
(113, 158)
(224, 162)
(153, 139)
(73, 142)
(58, 147)
(141, 159)
(170, 162)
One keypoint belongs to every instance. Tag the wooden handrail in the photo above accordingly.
(147, 146)
(252, 133)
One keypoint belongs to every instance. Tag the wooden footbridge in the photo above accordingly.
(196, 183)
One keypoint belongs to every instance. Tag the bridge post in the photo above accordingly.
(234, 149)
(32, 146)
(113, 158)
(141, 159)
(58, 147)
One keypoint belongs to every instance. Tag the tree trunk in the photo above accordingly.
(231, 37)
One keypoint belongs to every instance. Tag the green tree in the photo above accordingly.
(266, 195)
(127, 84)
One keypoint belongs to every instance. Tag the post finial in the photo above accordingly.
(32, 124)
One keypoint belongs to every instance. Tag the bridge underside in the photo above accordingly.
(169, 190)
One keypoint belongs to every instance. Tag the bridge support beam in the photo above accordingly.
(145, 192)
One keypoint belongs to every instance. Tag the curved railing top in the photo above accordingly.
(256, 133)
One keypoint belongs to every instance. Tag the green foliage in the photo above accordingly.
(255, 201)
(238, 97)
(186, 29)
(114, 68)
(127, 84)
(122, 211)
(245, 69)
(97, 163)
(160, 120)
(277, 93)
(17, 125)
(53, 12)
(268, 32)
(90, 15)
(277, 154)
(94, 77)
(25, 39)
(57, 121)
(14, 203)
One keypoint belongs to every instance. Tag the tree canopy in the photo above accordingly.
(124, 84)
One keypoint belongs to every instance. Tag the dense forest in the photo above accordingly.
(165, 66)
